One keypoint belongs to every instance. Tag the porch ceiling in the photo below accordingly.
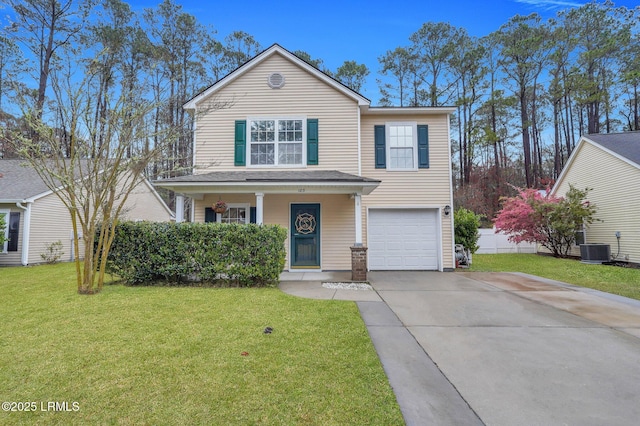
(271, 182)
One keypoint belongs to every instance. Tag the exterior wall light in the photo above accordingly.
(447, 210)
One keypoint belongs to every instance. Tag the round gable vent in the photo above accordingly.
(276, 80)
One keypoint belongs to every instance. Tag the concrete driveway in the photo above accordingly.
(502, 349)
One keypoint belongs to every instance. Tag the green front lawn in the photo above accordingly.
(611, 279)
(150, 355)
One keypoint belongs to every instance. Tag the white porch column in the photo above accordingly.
(259, 207)
(179, 208)
(358, 211)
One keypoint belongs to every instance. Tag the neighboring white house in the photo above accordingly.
(36, 217)
(609, 164)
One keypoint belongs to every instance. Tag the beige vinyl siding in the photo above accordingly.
(615, 192)
(50, 222)
(302, 95)
(12, 257)
(427, 188)
(337, 221)
(143, 204)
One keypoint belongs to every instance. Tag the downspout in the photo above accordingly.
(26, 231)
(194, 127)
(194, 132)
(453, 232)
(359, 143)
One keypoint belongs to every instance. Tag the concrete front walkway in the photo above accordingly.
(499, 349)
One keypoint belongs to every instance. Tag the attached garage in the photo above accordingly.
(403, 239)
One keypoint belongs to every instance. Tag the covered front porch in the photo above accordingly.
(322, 210)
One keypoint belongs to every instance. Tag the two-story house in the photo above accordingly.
(280, 142)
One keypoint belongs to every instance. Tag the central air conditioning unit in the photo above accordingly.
(595, 253)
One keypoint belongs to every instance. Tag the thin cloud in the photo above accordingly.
(550, 4)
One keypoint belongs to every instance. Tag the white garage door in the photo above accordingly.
(403, 239)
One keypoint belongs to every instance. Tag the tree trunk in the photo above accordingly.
(526, 141)
(496, 155)
(461, 149)
(636, 117)
(557, 157)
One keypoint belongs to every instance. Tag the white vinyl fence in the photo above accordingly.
(492, 243)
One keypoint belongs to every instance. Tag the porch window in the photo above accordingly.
(276, 142)
(235, 215)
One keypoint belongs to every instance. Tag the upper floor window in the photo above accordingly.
(402, 146)
(274, 142)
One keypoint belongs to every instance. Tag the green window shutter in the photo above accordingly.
(380, 147)
(423, 146)
(312, 141)
(209, 215)
(240, 150)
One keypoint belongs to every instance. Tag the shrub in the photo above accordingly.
(466, 225)
(52, 252)
(209, 253)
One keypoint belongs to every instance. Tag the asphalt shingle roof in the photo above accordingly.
(625, 144)
(19, 181)
(271, 176)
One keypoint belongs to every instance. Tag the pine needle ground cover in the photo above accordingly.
(176, 355)
(610, 279)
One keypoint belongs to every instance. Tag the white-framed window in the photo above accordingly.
(402, 146)
(277, 141)
(236, 213)
(580, 235)
(5, 215)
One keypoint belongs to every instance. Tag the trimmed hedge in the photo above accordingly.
(209, 253)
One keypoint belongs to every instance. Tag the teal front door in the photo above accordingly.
(305, 236)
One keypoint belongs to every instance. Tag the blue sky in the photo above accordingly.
(335, 31)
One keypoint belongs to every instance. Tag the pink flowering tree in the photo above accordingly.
(547, 220)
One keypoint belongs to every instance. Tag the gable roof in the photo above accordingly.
(275, 49)
(624, 146)
(20, 182)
